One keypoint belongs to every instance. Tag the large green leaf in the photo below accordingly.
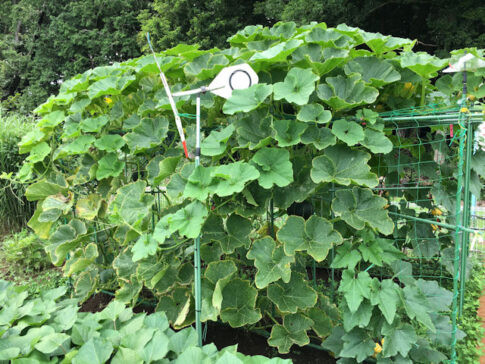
(247, 99)
(188, 220)
(254, 130)
(109, 166)
(359, 206)
(39, 152)
(376, 141)
(297, 87)
(274, 167)
(231, 178)
(293, 331)
(359, 318)
(422, 63)
(148, 134)
(131, 205)
(417, 306)
(355, 289)
(399, 340)
(342, 92)
(316, 236)
(145, 246)
(160, 168)
(277, 53)
(238, 304)
(373, 71)
(110, 143)
(382, 44)
(292, 296)
(344, 166)
(216, 143)
(93, 125)
(206, 66)
(199, 183)
(288, 132)
(358, 345)
(385, 295)
(94, 351)
(80, 145)
(112, 85)
(43, 189)
(271, 262)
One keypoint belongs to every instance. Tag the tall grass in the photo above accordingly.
(15, 210)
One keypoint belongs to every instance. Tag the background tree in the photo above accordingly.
(207, 23)
(46, 42)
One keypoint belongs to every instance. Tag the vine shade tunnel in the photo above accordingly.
(378, 259)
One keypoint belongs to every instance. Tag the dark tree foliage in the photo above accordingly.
(58, 39)
(440, 26)
(45, 42)
(207, 23)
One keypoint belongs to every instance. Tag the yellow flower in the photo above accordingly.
(434, 227)
(378, 348)
(464, 109)
(108, 100)
(408, 85)
(471, 97)
(436, 212)
(382, 341)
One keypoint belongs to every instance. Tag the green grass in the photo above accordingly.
(15, 211)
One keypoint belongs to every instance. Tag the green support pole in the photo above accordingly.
(456, 260)
(197, 265)
(466, 213)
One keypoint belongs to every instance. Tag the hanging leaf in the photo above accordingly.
(187, 221)
(292, 296)
(293, 331)
(355, 289)
(148, 134)
(216, 143)
(359, 206)
(271, 262)
(314, 113)
(131, 205)
(321, 138)
(316, 236)
(344, 166)
(357, 344)
(297, 87)
(238, 304)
